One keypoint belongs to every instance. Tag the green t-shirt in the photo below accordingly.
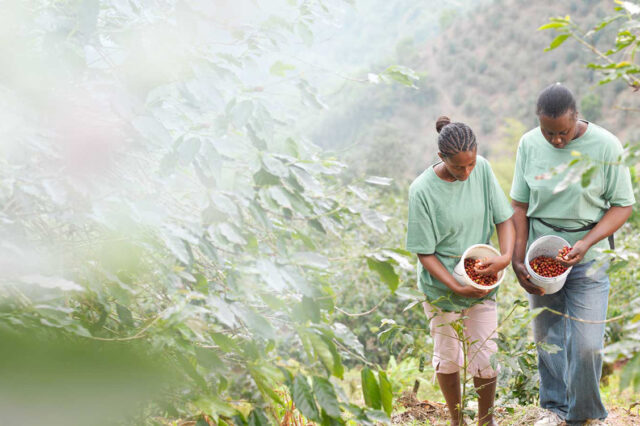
(446, 218)
(575, 206)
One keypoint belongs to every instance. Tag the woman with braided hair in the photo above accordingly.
(452, 205)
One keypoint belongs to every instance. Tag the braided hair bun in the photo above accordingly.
(454, 137)
(442, 121)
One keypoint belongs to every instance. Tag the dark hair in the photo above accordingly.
(555, 100)
(454, 137)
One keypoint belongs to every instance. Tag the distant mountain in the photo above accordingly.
(487, 65)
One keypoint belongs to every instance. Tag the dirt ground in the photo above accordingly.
(412, 411)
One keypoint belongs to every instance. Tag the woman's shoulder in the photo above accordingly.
(531, 138)
(604, 135)
(421, 183)
(606, 141)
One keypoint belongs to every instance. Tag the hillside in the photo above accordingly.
(488, 65)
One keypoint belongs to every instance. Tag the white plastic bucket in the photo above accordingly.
(476, 251)
(546, 246)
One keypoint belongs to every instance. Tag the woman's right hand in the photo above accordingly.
(469, 291)
(523, 278)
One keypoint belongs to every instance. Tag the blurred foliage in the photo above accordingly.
(154, 190)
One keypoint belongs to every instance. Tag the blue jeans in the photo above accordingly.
(570, 378)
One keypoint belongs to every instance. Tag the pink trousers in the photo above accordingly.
(479, 325)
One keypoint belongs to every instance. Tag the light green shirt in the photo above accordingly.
(575, 206)
(445, 218)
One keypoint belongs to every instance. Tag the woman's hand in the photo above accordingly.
(523, 278)
(576, 254)
(470, 292)
(493, 265)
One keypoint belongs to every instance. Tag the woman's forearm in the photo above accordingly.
(433, 265)
(612, 220)
(506, 238)
(521, 226)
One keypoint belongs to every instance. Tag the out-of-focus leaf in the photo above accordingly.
(322, 350)
(275, 166)
(257, 417)
(256, 322)
(372, 219)
(312, 259)
(231, 234)
(343, 333)
(557, 41)
(587, 175)
(188, 149)
(280, 196)
(270, 273)
(280, 69)
(241, 113)
(401, 74)
(326, 396)
(379, 180)
(553, 25)
(386, 272)
(125, 315)
(303, 398)
(386, 394)
(51, 282)
(370, 388)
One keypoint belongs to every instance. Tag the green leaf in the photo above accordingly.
(125, 315)
(557, 41)
(402, 75)
(386, 394)
(256, 323)
(224, 342)
(379, 180)
(305, 33)
(322, 351)
(347, 337)
(188, 150)
(303, 398)
(280, 69)
(214, 406)
(587, 175)
(616, 266)
(386, 271)
(312, 259)
(370, 388)
(257, 417)
(372, 219)
(326, 396)
(553, 25)
(241, 113)
(231, 234)
(279, 195)
(311, 309)
(338, 368)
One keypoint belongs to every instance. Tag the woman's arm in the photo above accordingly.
(506, 238)
(521, 224)
(612, 220)
(431, 263)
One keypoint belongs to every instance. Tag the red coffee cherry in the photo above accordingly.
(564, 251)
(546, 266)
(469, 267)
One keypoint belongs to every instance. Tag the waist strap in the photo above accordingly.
(612, 244)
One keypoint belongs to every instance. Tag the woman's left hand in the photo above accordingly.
(493, 265)
(576, 254)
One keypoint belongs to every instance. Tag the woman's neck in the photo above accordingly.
(441, 171)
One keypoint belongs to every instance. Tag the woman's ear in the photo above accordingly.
(441, 156)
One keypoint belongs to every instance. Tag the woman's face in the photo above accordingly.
(461, 164)
(559, 131)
